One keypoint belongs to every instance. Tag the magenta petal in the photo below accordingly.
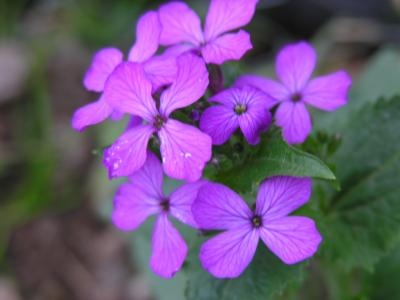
(295, 64)
(190, 84)
(219, 122)
(274, 89)
(228, 254)
(230, 46)
(133, 204)
(184, 149)
(147, 37)
(103, 64)
(133, 122)
(169, 248)
(281, 195)
(292, 239)
(180, 24)
(128, 153)
(90, 114)
(295, 121)
(128, 90)
(226, 15)
(181, 201)
(218, 207)
(328, 92)
(160, 70)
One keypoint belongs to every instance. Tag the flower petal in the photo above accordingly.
(219, 122)
(180, 24)
(148, 32)
(217, 207)
(292, 239)
(184, 149)
(328, 92)
(169, 249)
(295, 64)
(103, 64)
(128, 153)
(160, 70)
(226, 15)
(190, 84)
(295, 121)
(257, 117)
(281, 195)
(133, 204)
(181, 201)
(128, 90)
(230, 46)
(228, 254)
(90, 114)
(274, 89)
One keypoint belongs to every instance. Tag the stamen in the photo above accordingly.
(164, 205)
(240, 109)
(159, 122)
(296, 97)
(256, 221)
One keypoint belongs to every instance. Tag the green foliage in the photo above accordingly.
(363, 222)
(273, 157)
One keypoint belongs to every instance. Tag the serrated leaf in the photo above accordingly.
(363, 223)
(265, 278)
(274, 157)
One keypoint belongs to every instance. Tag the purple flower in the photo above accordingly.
(291, 238)
(184, 149)
(160, 69)
(142, 197)
(182, 27)
(244, 107)
(294, 66)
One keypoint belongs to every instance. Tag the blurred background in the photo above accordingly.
(55, 238)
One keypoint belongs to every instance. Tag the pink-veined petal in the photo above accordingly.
(295, 121)
(219, 122)
(228, 254)
(184, 149)
(292, 239)
(281, 195)
(176, 50)
(274, 89)
(226, 15)
(328, 92)
(230, 46)
(103, 64)
(129, 151)
(148, 32)
(129, 90)
(169, 249)
(160, 70)
(295, 64)
(190, 84)
(217, 207)
(90, 114)
(133, 204)
(180, 24)
(181, 201)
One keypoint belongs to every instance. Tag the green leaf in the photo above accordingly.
(265, 278)
(363, 222)
(274, 157)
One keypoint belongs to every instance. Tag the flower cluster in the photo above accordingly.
(165, 74)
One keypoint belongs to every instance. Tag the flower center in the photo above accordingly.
(256, 221)
(164, 205)
(159, 122)
(296, 97)
(240, 109)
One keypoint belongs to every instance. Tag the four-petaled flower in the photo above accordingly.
(246, 107)
(160, 69)
(291, 238)
(142, 197)
(182, 27)
(294, 66)
(184, 149)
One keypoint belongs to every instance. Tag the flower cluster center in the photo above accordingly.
(296, 97)
(164, 205)
(159, 122)
(240, 109)
(256, 221)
